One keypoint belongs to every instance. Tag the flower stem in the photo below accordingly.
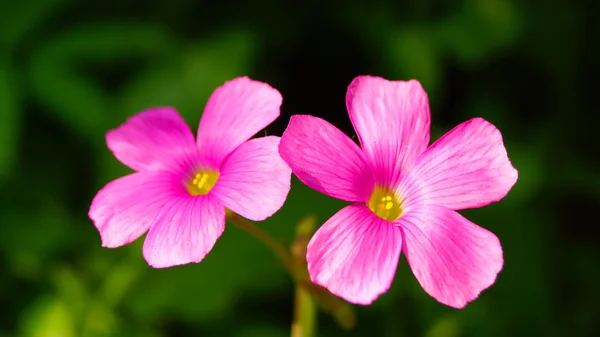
(278, 248)
(307, 294)
(305, 313)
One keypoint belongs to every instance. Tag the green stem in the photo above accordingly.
(277, 247)
(307, 294)
(305, 313)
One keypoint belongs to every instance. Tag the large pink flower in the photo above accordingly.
(182, 186)
(404, 195)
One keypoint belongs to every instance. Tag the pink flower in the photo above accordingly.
(404, 195)
(182, 186)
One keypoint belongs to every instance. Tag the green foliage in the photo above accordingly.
(10, 125)
(70, 71)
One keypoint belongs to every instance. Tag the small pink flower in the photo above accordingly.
(404, 195)
(182, 186)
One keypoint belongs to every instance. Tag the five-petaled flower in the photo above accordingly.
(404, 195)
(182, 185)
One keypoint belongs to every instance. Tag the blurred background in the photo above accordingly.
(70, 70)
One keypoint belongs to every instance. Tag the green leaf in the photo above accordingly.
(71, 288)
(72, 97)
(19, 17)
(99, 321)
(414, 55)
(186, 81)
(446, 326)
(47, 317)
(480, 28)
(34, 235)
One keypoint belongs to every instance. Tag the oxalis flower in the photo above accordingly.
(182, 186)
(404, 195)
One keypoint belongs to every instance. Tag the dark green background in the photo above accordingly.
(70, 70)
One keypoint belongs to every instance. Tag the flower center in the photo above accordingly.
(202, 183)
(385, 204)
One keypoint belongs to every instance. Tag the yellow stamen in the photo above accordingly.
(202, 182)
(385, 204)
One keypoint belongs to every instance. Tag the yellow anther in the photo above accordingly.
(385, 204)
(202, 183)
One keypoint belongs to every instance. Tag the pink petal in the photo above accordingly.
(148, 140)
(453, 258)
(254, 180)
(392, 120)
(184, 231)
(235, 112)
(467, 168)
(325, 159)
(125, 208)
(355, 254)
